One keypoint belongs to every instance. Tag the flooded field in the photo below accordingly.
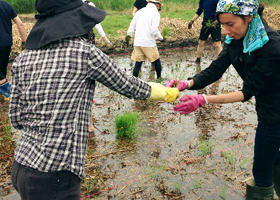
(204, 155)
(171, 159)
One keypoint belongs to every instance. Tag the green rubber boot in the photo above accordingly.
(276, 179)
(258, 193)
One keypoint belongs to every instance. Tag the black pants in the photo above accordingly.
(266, 153)
(157, 64)
(4, 60)
(35, 185)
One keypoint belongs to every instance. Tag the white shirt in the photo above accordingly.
(145, 23)
(98, 27)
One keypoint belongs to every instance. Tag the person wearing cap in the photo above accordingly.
(53, 83)
(7, 14)
(101, 32)
(145, 23)
(209, 26)
(138, 4)
(253, 49)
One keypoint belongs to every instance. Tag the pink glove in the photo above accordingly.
(182, 85)
(192, 102)
(172, 82)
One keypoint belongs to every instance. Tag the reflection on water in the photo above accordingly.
(169, 141)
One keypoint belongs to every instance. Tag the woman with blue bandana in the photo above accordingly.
(253, 49)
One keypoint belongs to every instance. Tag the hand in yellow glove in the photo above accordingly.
(161, 93)
(172, 94)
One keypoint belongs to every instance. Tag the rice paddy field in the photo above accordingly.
(204, 155)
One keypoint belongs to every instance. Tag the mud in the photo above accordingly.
(166, 161)
(204, 155)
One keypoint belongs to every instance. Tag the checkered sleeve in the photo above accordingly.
(14, 110)
(105, 71)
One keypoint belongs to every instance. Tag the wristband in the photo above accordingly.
(204, 96)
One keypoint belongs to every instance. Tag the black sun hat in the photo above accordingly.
(59, 19)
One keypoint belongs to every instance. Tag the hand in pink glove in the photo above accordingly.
(172, 82)
(182, 85)
(192, 102)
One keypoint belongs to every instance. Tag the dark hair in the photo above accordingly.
(260, 12)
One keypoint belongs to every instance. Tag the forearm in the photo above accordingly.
(195, 17)
(21, 28)
(226, 98)
(134, 11)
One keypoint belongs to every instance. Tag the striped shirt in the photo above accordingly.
(52, 91)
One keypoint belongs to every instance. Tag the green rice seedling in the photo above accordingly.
(211, 171)
(206, 147)
(223, 194)
(230, 157)
(155, 171)
(198, 183)
(244, 163)
(91, 183)
(178, 187)
(7, 129)
(126, 125)
(166, 32)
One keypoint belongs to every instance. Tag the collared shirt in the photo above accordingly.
(209, 9)
(146, 22)
(52, 92)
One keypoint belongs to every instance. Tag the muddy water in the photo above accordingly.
(165, 161)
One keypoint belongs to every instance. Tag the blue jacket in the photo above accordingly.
(209, 9)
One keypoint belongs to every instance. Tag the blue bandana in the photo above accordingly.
(256, 35)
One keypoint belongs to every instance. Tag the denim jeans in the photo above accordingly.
(35, 185)
(4, 60)
(266, 153)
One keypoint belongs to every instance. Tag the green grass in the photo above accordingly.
(179, 6)
(7, 129)
(126, 125)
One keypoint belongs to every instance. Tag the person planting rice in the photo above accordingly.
(209, 26)
(53, 83)
(253, 49)
(145, 23)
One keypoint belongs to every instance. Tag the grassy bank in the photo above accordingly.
(28, 6)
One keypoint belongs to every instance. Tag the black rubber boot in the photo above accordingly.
(258, 193)
(276, 179)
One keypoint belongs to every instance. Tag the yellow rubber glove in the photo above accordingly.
(158, 92)
(172, 94)
(161, 93)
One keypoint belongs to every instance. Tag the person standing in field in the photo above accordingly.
(7, 14)
(53, 84)
(145, 23)
(100, 31)
(253, 48)
(139, 4)
(209, 26)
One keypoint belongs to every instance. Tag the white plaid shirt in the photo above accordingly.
(52, 92)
